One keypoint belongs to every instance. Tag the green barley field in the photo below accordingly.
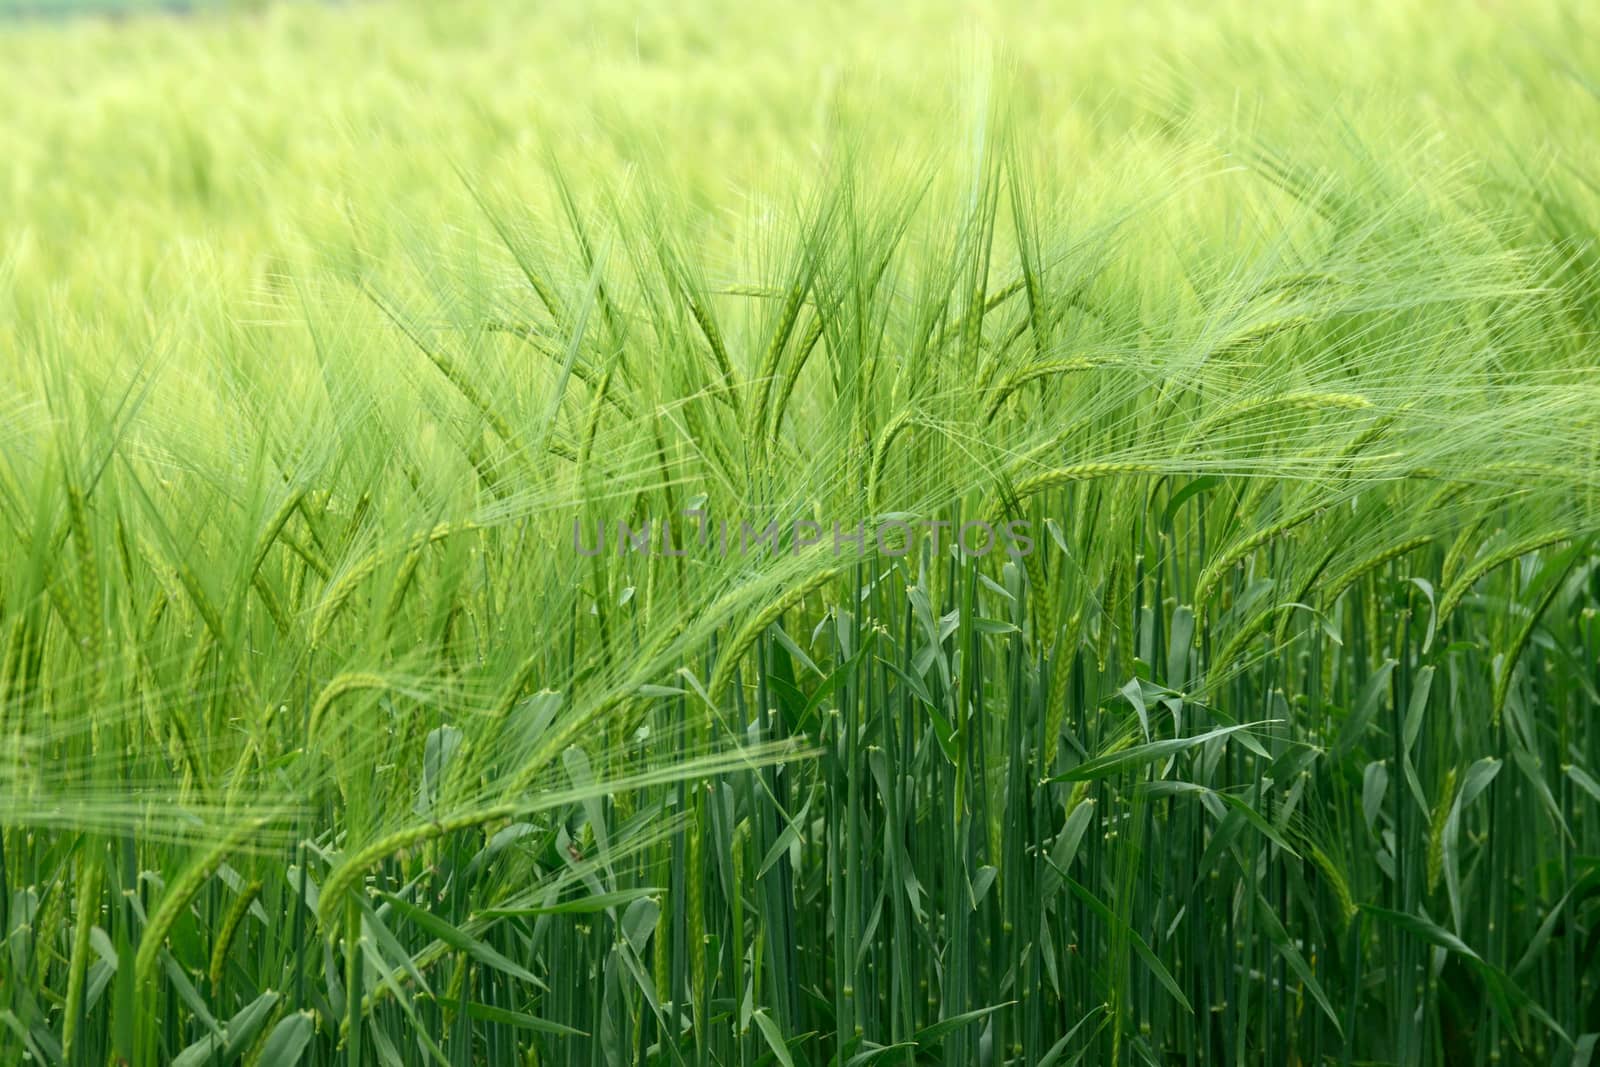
(829, 534)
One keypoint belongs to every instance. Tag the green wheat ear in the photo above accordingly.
(230, 928)
(181, 891)
(745, 636)
(336, 688)
(1022, 377)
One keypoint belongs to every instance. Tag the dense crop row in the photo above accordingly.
(335, 734)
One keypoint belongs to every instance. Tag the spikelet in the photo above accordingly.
(728, 657)
(1337, 882)
(335, 595)
(1212, 574)
(1241, 637)
(1466, 541)
(230, 927)
(1017, 379)
(1462, 585)
(808, 343)
(880, 452)
(755, 428)
(1337, 586)
(1079, 472)
(355, 866)
(274, 527)
(181, 891)
(338, 687)
(1508, 663)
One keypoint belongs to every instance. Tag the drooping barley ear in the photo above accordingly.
(1028, 257)
(557, 743)
(708, 330)
(728, 657)
(1446, 495)
(972, 341)
(230, 927)
(1242, 637)
(1378, 426)
(345, 683)
(181, 891)
(1019, 378)
(1255, 334)
(124, 550)
(274, 526)
(1508, 664)
(152, 616)
(581, 370)
(750, 289)
(197, 596)
(980, 306)
(190, 747)
(354, 867)
(1462, 585)
(66, 608)
(1078, 472)
(172, 591)
(808, 344)
(334, 596)
(592, 263)
(762, 384)
(1212, 574)
(880, 452)
(1303, 594)
(309, 554)
(1347, 578)
(536, 281)
(269, 600)
(994, 353)
(669, 633)
(402, 584)
(1436, 828)
(1466, 541)
(703, 440)
(1522, 470)
(421, 962)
